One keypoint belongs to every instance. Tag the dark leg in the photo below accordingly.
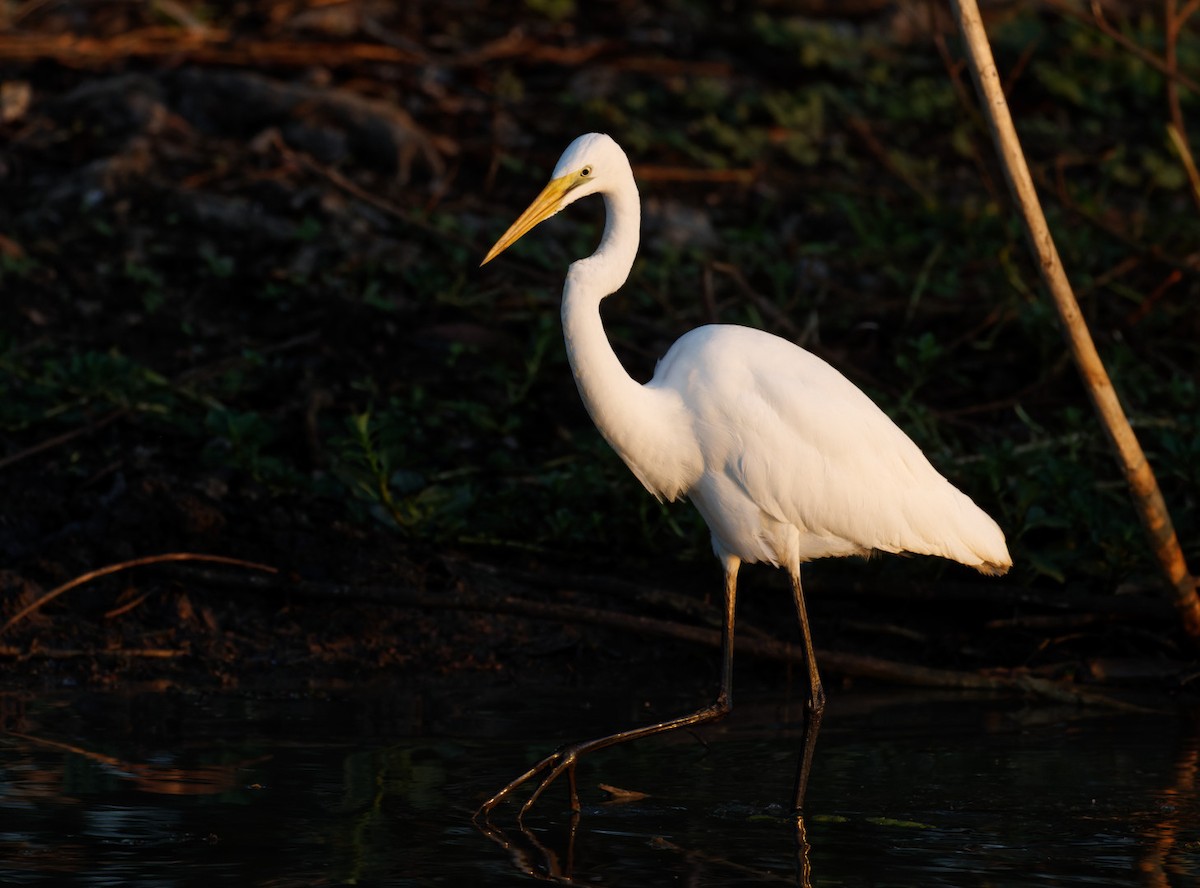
(816, 697)
(553, 766)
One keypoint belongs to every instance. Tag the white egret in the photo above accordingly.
(785, 458)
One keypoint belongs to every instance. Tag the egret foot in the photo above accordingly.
(552, 766)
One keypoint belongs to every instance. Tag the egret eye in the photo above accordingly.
(585, 172)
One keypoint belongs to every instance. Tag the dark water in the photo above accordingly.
(377, 789)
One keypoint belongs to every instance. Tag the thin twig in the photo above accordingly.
(862, 127)
(126, 565)
(126, 607)
(18, 654)
(354, 190)
(1173, 20)
(1190, 262)
(167, 778)
(766, 306)
(1103, 25)
(50, 443)
(1137, 315)
(1184, 150)
(954, 69)
(212, 45)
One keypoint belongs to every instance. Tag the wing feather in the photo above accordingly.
(811, 451)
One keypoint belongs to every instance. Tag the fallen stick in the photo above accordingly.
(50, 443)
(39, 653)
(215, 46)
(126, 565)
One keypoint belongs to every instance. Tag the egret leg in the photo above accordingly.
(552, 767)
(815, 704)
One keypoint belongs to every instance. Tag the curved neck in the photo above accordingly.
(624, 411)
(604, 385)
(598, 371)
(645, 424)
(606, 270)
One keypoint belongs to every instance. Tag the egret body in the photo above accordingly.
(786, 459)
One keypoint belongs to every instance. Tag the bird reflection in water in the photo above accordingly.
(533, 857)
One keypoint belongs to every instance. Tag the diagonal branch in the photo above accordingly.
(1143, 486)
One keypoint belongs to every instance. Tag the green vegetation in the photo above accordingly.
(362, 364)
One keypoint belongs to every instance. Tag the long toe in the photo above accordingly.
(566, 760)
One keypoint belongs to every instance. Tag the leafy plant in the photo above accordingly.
(244, 440)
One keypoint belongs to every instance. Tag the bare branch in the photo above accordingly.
(126, 565)
(1143, 485)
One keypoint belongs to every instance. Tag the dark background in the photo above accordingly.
(242, 316)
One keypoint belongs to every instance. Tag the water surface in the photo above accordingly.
(377, 788)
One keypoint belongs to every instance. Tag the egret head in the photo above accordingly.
(588, 166)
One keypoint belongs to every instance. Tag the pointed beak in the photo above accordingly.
(545, 205)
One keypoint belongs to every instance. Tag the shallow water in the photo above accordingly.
(377, 789)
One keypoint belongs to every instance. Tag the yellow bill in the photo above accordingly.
(545, 205)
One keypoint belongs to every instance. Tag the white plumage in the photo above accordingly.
(796, 463)
(785, 458)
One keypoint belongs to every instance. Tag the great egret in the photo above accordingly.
(785, 458)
